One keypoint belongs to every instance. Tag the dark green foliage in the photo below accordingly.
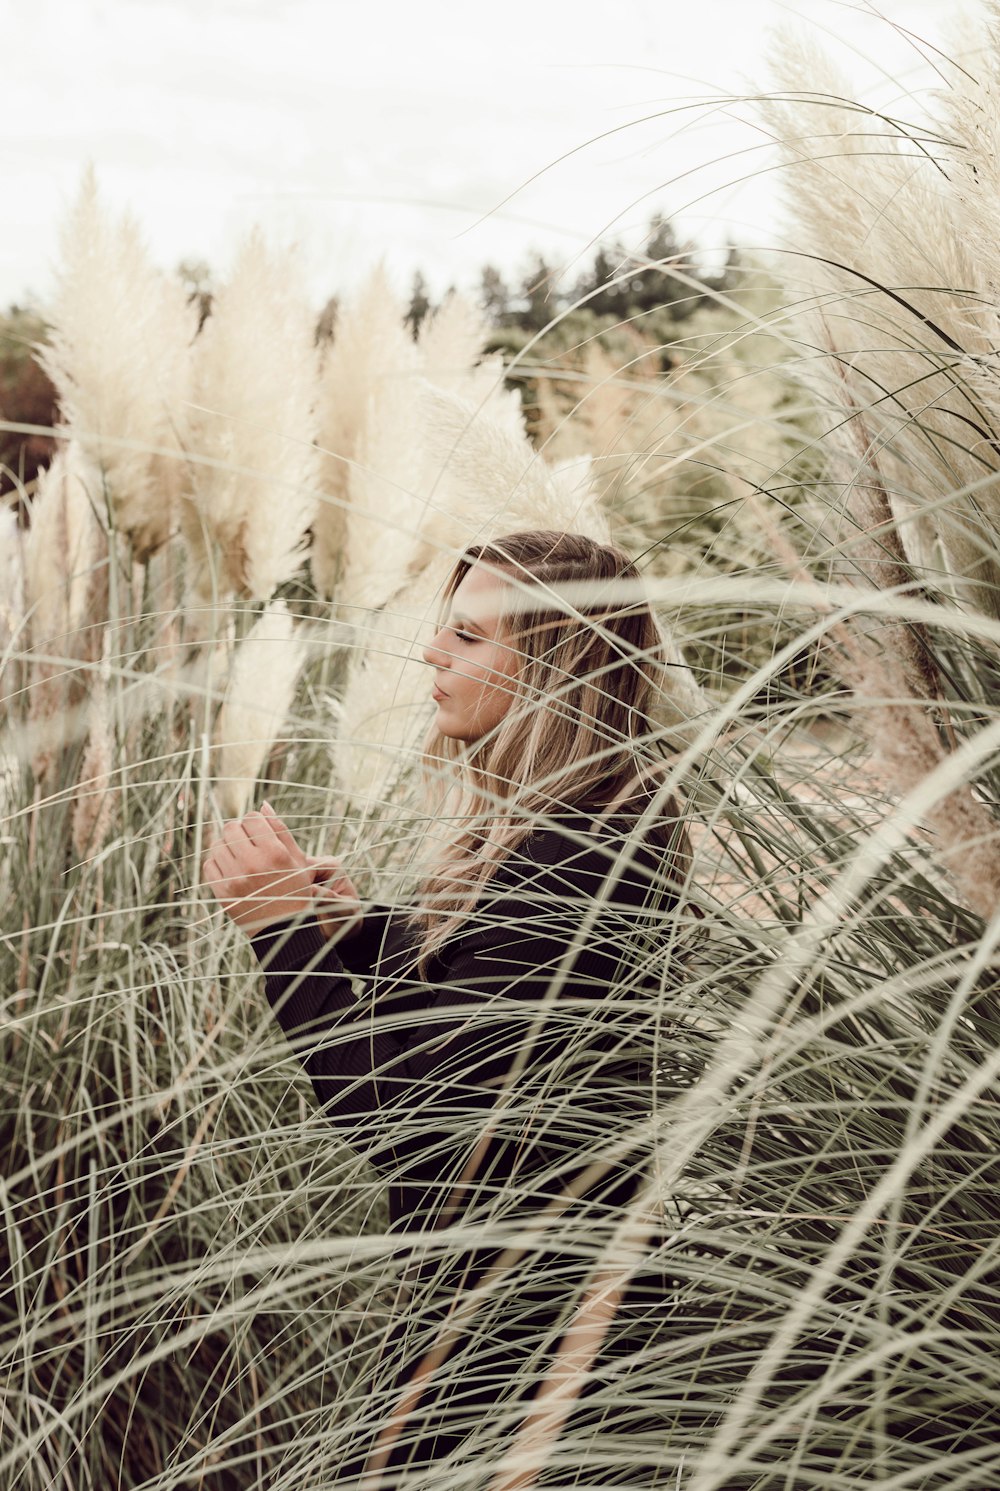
(420, 303)
(26, 397)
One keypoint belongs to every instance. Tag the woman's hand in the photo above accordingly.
(338, 905)
(260, 875)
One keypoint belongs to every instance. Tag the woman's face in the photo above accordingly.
(472, 659)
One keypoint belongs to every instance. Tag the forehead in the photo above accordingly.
(479, 595)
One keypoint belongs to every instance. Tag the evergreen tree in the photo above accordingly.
(599, 287)
(667, 286)
(539, 295)
(419, 303)
(494, 296)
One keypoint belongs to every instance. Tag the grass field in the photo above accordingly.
(229, 571)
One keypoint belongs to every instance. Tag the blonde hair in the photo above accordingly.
(578, 733)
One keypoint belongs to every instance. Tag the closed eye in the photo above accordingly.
(464, 636)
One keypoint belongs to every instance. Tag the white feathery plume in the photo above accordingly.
(907, 319)
(253, 498)
(369, 537)
(485, 387)
(11, 579)
(372, 348)
(485, 479)
(95, 803)
(386, 705)
(259, 693)
(12, 640)
(385, 501)
(969, 110)
(119, 355)
(60, 572)
(387, 504)
(908, 326)
(451, 350)
(61, 548)
(450, 341)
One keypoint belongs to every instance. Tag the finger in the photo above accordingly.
(280, 829)
(255, 827)
(251, 832)
(219, 869)
(218, 872)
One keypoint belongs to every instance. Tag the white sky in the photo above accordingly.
(410, 128)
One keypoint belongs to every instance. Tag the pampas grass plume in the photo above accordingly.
(451, 342)
(451, 345)
(380, 429)
(906, 748)
(908, 319)
(253, 498)
(119, 355)
(386, 708)
(486, 479)
(11, 594)
(60, 555)
(911, 365)
(381, 461)
(259, 694)
(61, 547)
(95, 805)
(371, 348)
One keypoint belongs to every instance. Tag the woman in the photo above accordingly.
(488, 1072)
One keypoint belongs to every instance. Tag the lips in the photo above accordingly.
(437, 693)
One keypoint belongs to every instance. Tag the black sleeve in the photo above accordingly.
(491, 1003)
(312, 995)
(361, 952)
(358, 953)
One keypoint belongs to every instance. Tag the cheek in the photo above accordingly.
(501, 666)
(496, 690)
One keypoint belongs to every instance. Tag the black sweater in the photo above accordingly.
(484, 1072)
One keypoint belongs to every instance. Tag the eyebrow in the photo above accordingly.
(465, 624)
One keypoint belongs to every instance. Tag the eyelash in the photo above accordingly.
(464, 636)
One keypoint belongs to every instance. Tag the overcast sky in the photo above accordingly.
(432, 131)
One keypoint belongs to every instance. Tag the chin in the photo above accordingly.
(455, 732)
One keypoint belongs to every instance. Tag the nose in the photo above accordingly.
(434, 653)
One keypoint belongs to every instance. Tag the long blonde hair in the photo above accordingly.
(577, 733)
